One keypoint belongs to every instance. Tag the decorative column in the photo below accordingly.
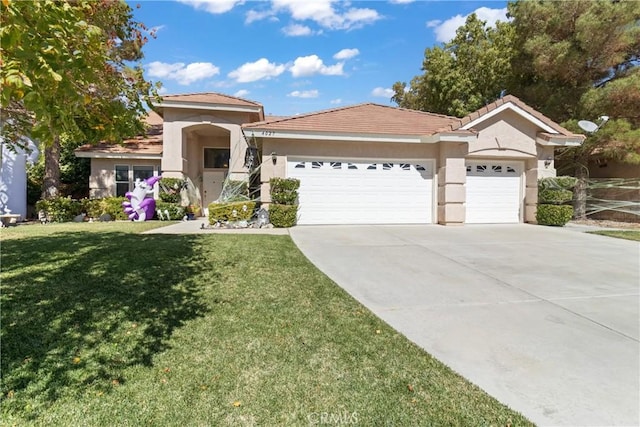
(535, 169)
(452, 176)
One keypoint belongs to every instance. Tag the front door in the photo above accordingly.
(212, 182)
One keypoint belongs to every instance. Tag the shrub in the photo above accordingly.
(283, 216)
(557, 183)
(554, 214)
(111, 206)
(60, 209)
(175, 211)
(170, 189)
(234, 211)
(170, 197)
(234, 191)
(555, 197)
(284, 191)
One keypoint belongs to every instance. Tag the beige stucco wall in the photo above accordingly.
(291, 148)
(182, 144)
(452, 176)
(102, 180)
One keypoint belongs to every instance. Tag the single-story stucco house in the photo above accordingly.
(359, 164)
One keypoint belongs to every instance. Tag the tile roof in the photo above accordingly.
(149, 144)
(211, 98)
(365, 118)
(515, 101)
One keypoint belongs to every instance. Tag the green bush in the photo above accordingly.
(234, 191)
(169, 197)
(170, 189)
(557, 183)
(555, 197)
(176, 212)
(283, 216)
(284, 191)
(60, 209)
(554, 214)
(112, 206)
(234, 211)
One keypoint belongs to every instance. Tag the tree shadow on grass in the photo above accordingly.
(79, 308)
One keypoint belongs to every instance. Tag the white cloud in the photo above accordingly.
(213, 6)
(241, 93)
(323, 13)
(336, 101)
(446, 30)
(310, 65)
(181, 73)
(304, 93)
(346, 54)
(296, 30)
(252, 71)
(382, 92)
(401, 1)
(163, 90)
(254, 15)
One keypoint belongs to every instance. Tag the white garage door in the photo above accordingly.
(493, 192)
(363, 192)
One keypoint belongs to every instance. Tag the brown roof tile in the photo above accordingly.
(151, 143)
(211, 98)
(365, 118)
(516, 101)
(141, 145)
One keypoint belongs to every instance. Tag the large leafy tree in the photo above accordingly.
(580, 60)
(463, 74)
(70, 72)
(571, 60)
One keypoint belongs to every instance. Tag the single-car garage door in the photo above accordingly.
(493, 192)
(363, 192)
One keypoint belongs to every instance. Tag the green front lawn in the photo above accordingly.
(104, 326)
(620, 234)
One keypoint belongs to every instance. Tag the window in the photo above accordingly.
(122, 180)
(125, 182)
(216, 158)
(142, 172)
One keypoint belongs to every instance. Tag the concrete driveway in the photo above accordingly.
(544, 319)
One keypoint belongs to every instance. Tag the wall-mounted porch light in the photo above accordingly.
(274, 157)
(547, 162)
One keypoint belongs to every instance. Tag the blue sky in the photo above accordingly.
(297, 56)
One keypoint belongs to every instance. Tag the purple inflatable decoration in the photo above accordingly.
(140, 207)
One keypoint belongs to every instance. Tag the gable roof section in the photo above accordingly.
(210, 98)
(515, 104)
(360, 119)
(148, 146)
(213, 102)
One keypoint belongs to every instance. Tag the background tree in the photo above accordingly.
(70, 72)
(571, 60)
(579, 60)
(462, 75)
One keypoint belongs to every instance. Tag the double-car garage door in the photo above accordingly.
(363, 192)
(400, 192)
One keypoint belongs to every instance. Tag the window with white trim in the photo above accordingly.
(126, 176)
(122, 180)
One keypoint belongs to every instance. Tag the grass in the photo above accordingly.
(620, 234)
(105, 326)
